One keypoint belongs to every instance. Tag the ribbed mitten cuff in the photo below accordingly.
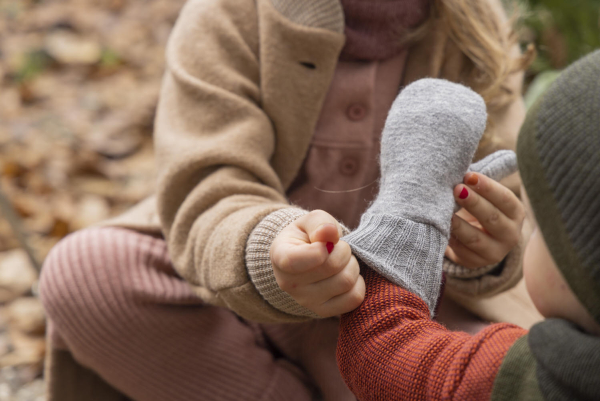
(258, 261)
(407, 253)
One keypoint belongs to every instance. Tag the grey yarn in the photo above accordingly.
(498, 165)
(429, 139)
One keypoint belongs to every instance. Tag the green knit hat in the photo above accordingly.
(559, 159)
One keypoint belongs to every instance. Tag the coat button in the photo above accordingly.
(356, 112)
(349, 166)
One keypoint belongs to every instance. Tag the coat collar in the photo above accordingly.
(324, 14)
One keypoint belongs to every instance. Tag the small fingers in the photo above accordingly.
(333, 263)
(473, 239)
(493, 220)
(294, 277)
(461, 255)
(497, 194)
(345, 302)
(320, 226)
(341, 282)
(317, 296)
(293, 258)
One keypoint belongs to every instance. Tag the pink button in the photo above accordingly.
(356, 112)
(349, 166)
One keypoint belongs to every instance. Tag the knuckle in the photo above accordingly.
(334, 267)
(283, 262)
(319, 215)
(347, 280)
(472, 239)
(507, 197)
(357, 297)
(493, 218)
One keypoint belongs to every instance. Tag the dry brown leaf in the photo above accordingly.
(27, 315)
(69, 48)
(28, 350)
(16, 275)
(91, 210)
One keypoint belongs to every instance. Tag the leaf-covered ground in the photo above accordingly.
(79, 82)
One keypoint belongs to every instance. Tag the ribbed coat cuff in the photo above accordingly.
(407, 253)
(486, 281)
(258, 261)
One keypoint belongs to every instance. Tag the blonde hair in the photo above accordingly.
(488, 41)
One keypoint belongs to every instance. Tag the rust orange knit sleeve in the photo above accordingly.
(390, 349)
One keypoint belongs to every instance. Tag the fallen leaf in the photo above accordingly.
(69, 48)
(92, 209)
(27, 315)
(16, 275)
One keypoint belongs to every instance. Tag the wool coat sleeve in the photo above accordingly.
(390, 349)
(213, 146)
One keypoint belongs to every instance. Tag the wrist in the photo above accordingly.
(406, 252)
(259, 266)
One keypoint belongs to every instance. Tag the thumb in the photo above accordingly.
(498, 165)
(320, 226)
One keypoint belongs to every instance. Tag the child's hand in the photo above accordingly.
(488, 226)
(326, 283)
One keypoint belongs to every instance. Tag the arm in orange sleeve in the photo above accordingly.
(390, 349)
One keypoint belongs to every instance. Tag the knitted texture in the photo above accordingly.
(390, 349)
(498, 165)
(568, 360)
(113, 298)
(258, 261)
(427, 144)
(516, 379)
(559, 160)
(377, 29)
(324, 14)
(463, 283)
(462, 272)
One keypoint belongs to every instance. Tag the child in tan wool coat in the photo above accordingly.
(270, 109)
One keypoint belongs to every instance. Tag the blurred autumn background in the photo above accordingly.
(79, 81)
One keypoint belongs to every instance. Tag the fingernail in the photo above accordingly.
(329, 246)
(472, 179)
(464, 193)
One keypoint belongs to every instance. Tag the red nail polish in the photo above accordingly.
(329, 246)
(464, 193)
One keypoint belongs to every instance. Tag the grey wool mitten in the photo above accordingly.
(429, 139)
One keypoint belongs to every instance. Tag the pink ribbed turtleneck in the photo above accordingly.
(375, 28)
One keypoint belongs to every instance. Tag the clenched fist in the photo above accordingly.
(316, 268)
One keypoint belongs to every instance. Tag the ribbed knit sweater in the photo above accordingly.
(376, 29)
(390, 349)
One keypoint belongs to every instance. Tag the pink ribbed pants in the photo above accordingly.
(114, 301)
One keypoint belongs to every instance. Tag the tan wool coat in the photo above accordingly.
(238, 107)
(240, 99)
